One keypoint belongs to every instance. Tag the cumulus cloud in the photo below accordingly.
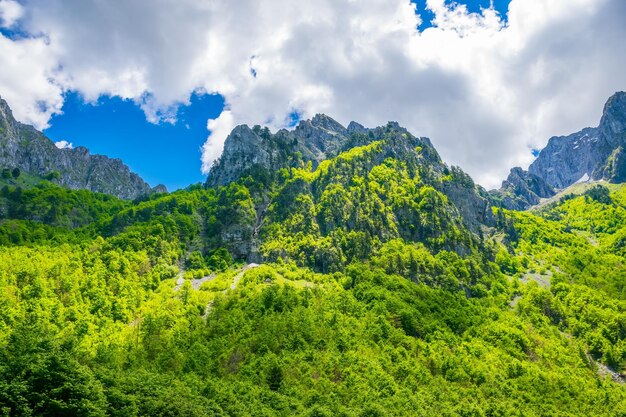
(63, 144)
(219, 128)
(485, 89)
(28, 75)
(10, 12)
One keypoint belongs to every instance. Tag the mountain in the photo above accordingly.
(306, 172)
(24, 147)
(589, 155)
(248, 148)
(521, 190)
(326, 271)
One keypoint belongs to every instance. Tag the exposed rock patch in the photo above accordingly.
(22, 146)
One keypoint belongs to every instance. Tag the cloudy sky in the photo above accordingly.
(487, 82)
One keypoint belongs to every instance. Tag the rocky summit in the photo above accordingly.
(24, 147)
(592, 154)
(258, 153)
(246, 148)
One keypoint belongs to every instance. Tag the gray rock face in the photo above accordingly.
(248, 148)
(613, 122)
(522, 189)
(567, 159)
(592, 153)
(322, 136)
(24, 147)
(472, 203)
(529, 185)
(243, 148)
(255, 150)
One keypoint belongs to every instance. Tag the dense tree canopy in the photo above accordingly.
(374, 298)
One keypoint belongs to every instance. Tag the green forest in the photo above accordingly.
(358, 287)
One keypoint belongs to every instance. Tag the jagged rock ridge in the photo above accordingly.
(314, 141)
(593, 153)
(24, 147)
(257, 153)
(521, 190)
(246, 148)
(589, 155)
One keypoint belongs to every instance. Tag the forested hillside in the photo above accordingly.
(377, 282)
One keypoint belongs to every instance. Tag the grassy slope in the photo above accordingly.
(576, 189)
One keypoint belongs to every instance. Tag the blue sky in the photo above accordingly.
(160, 153)
(473, 6)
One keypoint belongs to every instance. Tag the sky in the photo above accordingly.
(118, 128)
(161, 83)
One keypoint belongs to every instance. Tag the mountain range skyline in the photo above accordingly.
(489, 81)
(581, 165)
(329, 208)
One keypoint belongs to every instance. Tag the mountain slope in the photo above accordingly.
(388, 286)
(407, 329)
(22, 146)
(308, 180)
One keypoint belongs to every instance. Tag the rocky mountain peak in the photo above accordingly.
(591, 154)
(328, 123)
(260, 155)
(355, 127)
(241, 138)
(7, 121)
(248, 148)
(22, 146)
(5, 110)
(522, 189)
(594, 153)
(613, 120)
(312, 140)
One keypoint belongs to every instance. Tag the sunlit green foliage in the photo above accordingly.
(351, 205)
(374, 298)
(576, 242)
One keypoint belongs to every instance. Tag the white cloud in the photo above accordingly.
(219, 128)
(28, 79)
(10, 12)
(63, 144)
(484, 90)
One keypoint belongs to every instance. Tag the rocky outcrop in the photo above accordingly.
(251, 149)
(247, 149)
(24, 147)
(260, 154)
(472, 202)
(591, 154)
(521, 190)
(613, 122)
(567, 159)
(594, 153)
